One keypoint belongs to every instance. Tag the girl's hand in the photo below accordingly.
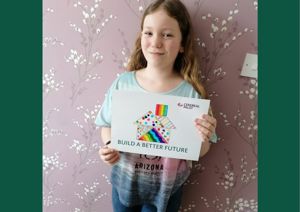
(108, 155)
(206, 126)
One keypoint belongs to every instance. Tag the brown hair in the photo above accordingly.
(186, 62)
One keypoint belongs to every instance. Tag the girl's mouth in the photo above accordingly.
(157, 53)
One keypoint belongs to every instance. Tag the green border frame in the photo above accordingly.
(278, 124)
(21, 106)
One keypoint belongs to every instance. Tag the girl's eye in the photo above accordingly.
(148, 33)
(167, 35)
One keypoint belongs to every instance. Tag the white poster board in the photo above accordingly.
(155, 124)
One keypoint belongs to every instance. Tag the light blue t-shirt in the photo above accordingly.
(127, 81)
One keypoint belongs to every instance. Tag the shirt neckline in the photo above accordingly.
(166, 92)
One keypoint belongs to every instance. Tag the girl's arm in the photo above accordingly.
(105, 134)
(204, 148)
(107, 154)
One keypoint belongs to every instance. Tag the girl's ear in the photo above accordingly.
(181, 50)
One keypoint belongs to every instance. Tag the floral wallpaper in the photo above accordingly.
(86, 44)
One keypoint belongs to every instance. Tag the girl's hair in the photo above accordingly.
(186, 62)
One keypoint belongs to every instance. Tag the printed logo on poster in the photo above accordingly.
(155, 127)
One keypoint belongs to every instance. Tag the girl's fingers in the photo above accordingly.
(205, 124)
(206, 133)
(114, 159)
(105, 150)
(210, 119)
(205, 138)
(108, 157)
(111, 159)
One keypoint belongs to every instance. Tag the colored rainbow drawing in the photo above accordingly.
(155, 127)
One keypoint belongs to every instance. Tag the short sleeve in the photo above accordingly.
(103, 118)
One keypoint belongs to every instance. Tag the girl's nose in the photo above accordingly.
(157, 42)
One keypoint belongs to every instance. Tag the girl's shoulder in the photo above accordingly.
(124, 80)
(125, 75)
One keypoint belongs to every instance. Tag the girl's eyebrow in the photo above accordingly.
(165, 28)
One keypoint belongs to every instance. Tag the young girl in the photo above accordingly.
(162, 62)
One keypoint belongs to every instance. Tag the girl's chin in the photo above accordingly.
(155, 63)
(155, 59)
(159, 66)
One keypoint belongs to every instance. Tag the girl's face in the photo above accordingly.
(161, 39)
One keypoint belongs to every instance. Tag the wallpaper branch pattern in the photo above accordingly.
(223, 34)
(87, 44)
(87, 58)
(122, 60)
(86, 146)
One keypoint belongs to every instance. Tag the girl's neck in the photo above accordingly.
(158, 80)
(161, 74)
